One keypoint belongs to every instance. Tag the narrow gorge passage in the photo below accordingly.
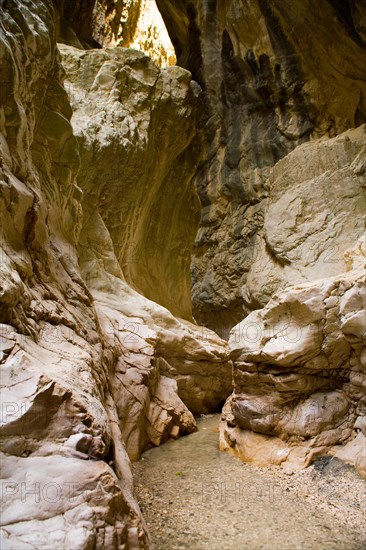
(193, 497)
(182, 232)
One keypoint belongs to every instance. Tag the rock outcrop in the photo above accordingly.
(313, 214)
(300, 374)
(151, 36)
(92, 371)
(87, 24)
(275, 74)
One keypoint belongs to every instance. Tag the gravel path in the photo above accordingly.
(195, 497)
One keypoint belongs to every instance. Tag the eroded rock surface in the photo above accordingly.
(313, 214)
(299, 374)
(88, 24)
(282, 187)
(151, 36)
(92, 372)
(100, 357)
(136, 129)
(275, 74)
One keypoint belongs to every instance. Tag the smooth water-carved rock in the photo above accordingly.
(299, 375)
(136, 130)
(99, 354)
(126, 109)
(80, 350)
(163, 368)
(54, 374)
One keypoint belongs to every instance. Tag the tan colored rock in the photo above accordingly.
(133, 24)
(123, 107)
(313, 214)
(150, 35)
(61, 501)
(101, 23)
(354, 452)
(80, 348)
(99, 354)
(299, 377)
(121, 101)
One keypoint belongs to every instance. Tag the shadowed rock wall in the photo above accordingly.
(275, 75)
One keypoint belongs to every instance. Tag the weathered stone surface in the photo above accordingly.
(90, 24)
(150, 35)
(354, 452)
(136, 126)
(99, 354)
(80, 349)
(132, 231)
(275, 74)
(53, 369)
(282, 188)
(156, 359)
(299, 374)
(314, 213)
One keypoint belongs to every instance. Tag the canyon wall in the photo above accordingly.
(245, 164)
(282, 186)
(300, 374)
(93, 369)
(275, 74)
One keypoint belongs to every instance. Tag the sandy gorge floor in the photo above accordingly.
(195, 497)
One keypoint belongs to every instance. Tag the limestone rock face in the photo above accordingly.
(313, 214)
(89, 24)
(123, 106)
(299, 374)
(92, 372)
(150, 35)
(275, 74)
(136, 129)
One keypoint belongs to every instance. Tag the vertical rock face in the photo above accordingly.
(94, 23)
(151, 36)
(282, 187)
(128, 115)
(57, 436)
(100, 357)
(275, 75)
(92, 371)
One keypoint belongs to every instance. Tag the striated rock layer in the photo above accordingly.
(275, 74)
(300, 374)
(299, 363)
(93, 371)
